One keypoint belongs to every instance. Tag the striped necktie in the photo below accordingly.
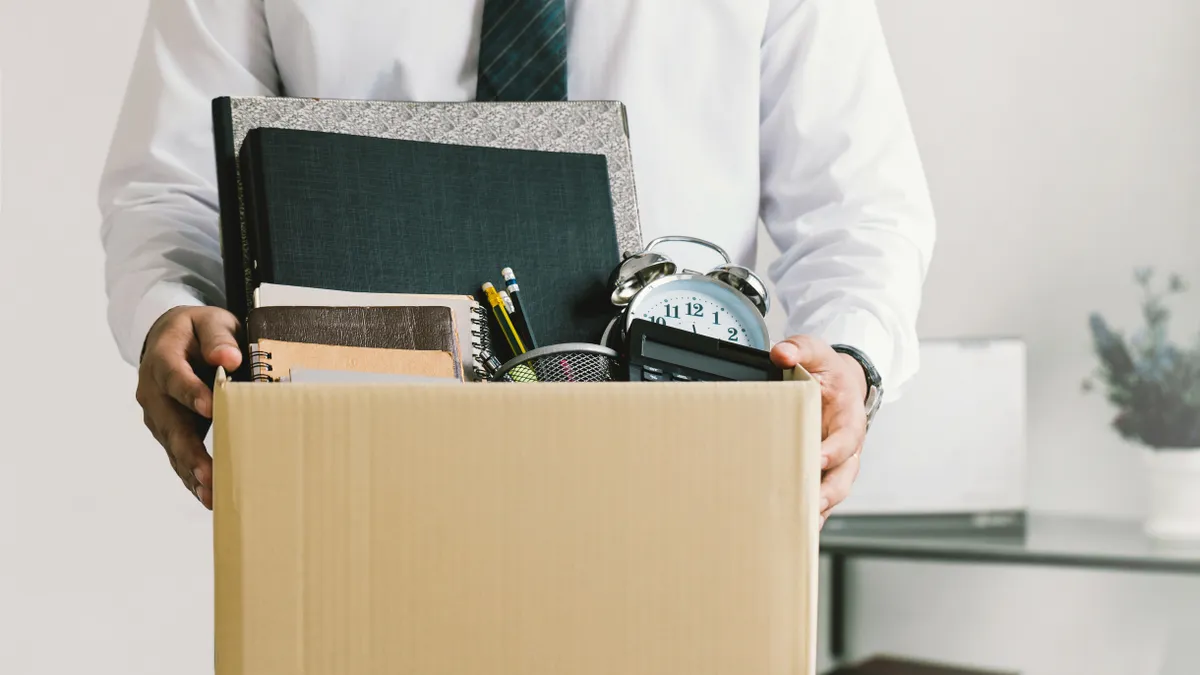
(523, 51)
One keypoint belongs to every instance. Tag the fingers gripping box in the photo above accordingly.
(505, 529)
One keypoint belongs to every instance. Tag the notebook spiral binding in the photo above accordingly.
(260, 365)
(481, 345)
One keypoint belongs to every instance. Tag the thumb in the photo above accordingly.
(785, 355)
(801, 350)
(216, 331)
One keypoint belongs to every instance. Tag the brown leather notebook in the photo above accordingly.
(273, 360)
(419, 328)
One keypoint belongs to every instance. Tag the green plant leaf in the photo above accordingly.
(1153, 384)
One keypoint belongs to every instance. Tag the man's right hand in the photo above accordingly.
(184, 345)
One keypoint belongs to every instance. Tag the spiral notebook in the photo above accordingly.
(424, 328)
(303, 375)
(470, 319)
(273, 360)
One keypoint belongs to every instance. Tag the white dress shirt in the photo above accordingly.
(784, 110)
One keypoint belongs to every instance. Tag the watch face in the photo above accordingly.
(702, 306)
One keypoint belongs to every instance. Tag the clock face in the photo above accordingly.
(701, 306)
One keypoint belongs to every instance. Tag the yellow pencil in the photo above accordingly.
(505, 321)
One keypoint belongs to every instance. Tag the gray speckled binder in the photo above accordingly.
(595, 127)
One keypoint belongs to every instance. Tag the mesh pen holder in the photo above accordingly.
(567, 362)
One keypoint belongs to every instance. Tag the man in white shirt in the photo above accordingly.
(786, 110)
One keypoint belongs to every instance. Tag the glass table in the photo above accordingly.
(1048, 540)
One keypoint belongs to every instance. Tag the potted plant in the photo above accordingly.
(1154, 384)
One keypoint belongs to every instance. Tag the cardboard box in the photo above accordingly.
(536, 529)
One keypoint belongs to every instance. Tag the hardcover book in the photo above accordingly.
(364, 214)
(593, 127)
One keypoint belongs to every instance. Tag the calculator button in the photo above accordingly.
(651, 376)
(651, 369)
(680, 378)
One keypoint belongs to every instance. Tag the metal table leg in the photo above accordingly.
(837, 607)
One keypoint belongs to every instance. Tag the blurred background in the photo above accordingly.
(1062, 144)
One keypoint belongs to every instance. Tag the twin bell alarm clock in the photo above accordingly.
(728, 303)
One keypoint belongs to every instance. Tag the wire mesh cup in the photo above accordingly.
(568, 362)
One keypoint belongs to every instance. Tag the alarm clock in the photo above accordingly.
(727, 303)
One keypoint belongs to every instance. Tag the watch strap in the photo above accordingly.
(874, 380)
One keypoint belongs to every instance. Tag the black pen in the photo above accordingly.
(523, 324)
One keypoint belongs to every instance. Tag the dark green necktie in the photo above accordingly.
(523, 51)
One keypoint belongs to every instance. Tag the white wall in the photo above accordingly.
(81, 485)
(1061, 141)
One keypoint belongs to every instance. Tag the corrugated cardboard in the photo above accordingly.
(509, 529)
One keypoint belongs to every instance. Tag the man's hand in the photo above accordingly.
(185, 344)
(843, 413)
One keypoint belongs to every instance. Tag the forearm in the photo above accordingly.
(157, 257)
(844, 192)
(857, 283)
(158, 195)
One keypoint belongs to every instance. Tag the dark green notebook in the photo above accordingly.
(371, 214)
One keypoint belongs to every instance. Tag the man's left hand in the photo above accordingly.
(843, 411)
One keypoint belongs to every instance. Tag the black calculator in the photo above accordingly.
(658, 353)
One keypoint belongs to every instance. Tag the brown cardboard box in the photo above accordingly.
(505, 529)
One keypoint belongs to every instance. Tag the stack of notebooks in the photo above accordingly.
(300, 334)
(364, 249)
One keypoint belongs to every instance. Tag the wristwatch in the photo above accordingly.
(874, 381)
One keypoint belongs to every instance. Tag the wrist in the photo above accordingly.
(862, 383)
(149, 312)
(873, 390)
(154, 328)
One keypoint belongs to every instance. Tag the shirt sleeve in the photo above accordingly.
(158, 194)
(844, 195)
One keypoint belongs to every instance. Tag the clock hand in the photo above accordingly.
(694, 327)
